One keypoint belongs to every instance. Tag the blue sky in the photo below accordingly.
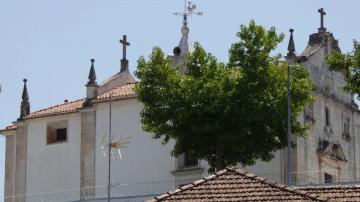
(51, 42)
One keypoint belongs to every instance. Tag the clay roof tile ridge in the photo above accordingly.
(58, 105)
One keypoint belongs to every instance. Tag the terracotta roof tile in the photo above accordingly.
(118, 93)
(65, 108)
(236, 185)
(335, 192)
(8, 128)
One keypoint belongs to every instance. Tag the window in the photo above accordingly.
(328, 178)
(57, 132)
(186, 160)
(346, 126)
(327, 116)
(190, 160)
(61, 134)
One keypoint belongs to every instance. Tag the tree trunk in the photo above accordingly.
(219, 157)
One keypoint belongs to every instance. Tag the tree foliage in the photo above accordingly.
(225, 114)
(349, 65)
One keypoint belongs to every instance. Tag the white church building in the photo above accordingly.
(57, 153)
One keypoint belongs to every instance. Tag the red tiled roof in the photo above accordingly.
(335, 192)
(9, 128)
(65, 108)
(236, 185)
(119, 93)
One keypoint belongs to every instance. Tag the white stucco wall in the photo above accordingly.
(272, 170)
(144, 159)
(53, 167)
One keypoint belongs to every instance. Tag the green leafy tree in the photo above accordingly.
(349, 65)
(225, 114)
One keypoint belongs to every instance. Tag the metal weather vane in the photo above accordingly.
(189, 10)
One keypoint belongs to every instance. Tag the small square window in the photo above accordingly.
(190, 160)
(328, 178)
(56, 132)
(61, 134)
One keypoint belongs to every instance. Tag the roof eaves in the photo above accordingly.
(8, 128)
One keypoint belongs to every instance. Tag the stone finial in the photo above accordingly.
(25, 105)
(291, 46)
(322, 13)
(91, 86)
(124, 61)
(291, 57)
(92, 74)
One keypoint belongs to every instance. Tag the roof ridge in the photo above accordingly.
(190, 185)
(276, 184)
(245, 174)
(327, 186)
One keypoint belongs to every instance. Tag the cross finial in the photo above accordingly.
(322, 13)
(124, 61)
(125, 43)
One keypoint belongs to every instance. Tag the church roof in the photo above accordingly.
(335, 192)
(118, 93)
(233, 184)
(65, 108)
(9, 128)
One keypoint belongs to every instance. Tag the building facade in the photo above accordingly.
(60, 152)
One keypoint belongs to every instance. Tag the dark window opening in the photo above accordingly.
(190, 160)
(61, 134)
(327, 116)
(347, 126)
(328, 178)
(57, 132)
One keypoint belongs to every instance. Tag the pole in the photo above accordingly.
(289, 130)
(109, 156)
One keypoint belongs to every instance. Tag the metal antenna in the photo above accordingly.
(111, 147)
(109, 162)
(189, 10)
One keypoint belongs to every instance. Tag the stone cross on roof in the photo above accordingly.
(322, 13)
(124, 61)
(125, 43)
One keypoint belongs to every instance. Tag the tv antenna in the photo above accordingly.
(114, 146)
(189, 10)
